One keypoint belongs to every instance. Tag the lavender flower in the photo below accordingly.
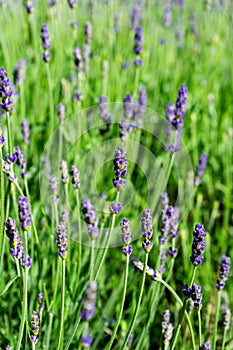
(194, 292)
(64, 172)
(126, 236)
(75, 176)
(8, 170)
(120, 168)
(41, 300)
(198, 246)
(223, 272)
(141, 105)
(167, 328)
(64, 218)
(78, 59)
(18, 155)
(89, 302)
(104, 113)
(24, 213)
(19, 72)
(167, 16)
(200, 168)
(35, 323)
(163, 258)
(227, 318)
(86, 340)
(88, 32)
(28, 6)
(61, 112)
(74, 25)
(45, 37)
(138, 62)
(25, 130)
(90, 218)
(72, 3)
(131, 338)
(175, 117)
(115, 208)
(149, 270)
(138, 40)
(16, 250)
(146, 220)
(62, 240)
(6, 91)
(9, 347)
(2, 139)
(53, 185)
(205, 346)
(128, 106)
(135, 16)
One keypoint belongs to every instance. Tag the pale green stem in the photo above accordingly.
(216, 320)
(181, 315)
(2, 217)
(24, 309)
(108, 240)
(9, 132)
(224, 338)
(199, 327)
(122, 304)
(79, 234)
(51, 102)
(73, 333)
(61, 332)
(92, 260)
(49, 329)
(136, 311)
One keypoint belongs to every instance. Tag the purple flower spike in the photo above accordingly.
(115, 208)
(35, 323)
(200, 168)
(90, 218)
(135, 16)
(25, 130)
(147, 246)
(6, 91)
(78, 59)
(72, 3)
(206, 346)
(194, 292)
(120, 168)
(105, 114)
(167, 328)
(64, 172)
(88, 306)
(223, 272)
(19, 72)
(86, 340)
(45, 37)
(53, 185)
(198, 246)
(126, 236)
(24, 213)
(28, 6)
(62, 240)
(146, 220)
(74, 172)
(138, 40)
(61, 112)
(88, 32)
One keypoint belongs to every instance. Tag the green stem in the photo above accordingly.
(24, 309)
(224, 338)
(60, 341)
(131, 327)
(216, 320)
(79, 234)
(122, 304)
(199, 327)
(73, 333)
(9, 132)
(51, 102)
(181, 315)
(92, 260)
(49, 329)
(108, 240)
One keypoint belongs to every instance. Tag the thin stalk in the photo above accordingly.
(131, 327)
(92, 260)
(79, 234)
(9, 132)
(199, 327)
(224, 338)
(49, 329)
(108, 240)
(185, 311)
(216, 320)
(73, 333)
(181, 315)
(61, 332)
(51, 101)
(122, 303)
(33, 346)
(24, 309)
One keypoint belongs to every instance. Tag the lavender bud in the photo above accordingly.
(138, 40)
(198, 246)
(72, 3)
(90, 218)
(45, 37)
(6, 91)
(223, 272)
(135, 16)
(19, 72)
(35, 323)
(74, 173)
(19, 157)
(167, 16)
(78, 59)
(89, 302)
(194, 292)
(147, 246)
(7, 169)
(25, 130)
(88, 32)
(146, 220)
(53, 185)
(120, 168)
(28, 6)
(227, 318)
(24, 213)
(62, 240)
(86, 340)
(41, 300)
(167, 328)
(115, 208)
(61, 112)
(64, 172)
(200, 168)
(205, 346)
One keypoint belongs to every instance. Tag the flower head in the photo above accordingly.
(120, 168)
(25, 130)
(198, 246)
(90, 218)
(24, 213)
(223, 272)
(200, 168)
(88, 306)
(74, 172)
(35, 323)
(6, 91)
